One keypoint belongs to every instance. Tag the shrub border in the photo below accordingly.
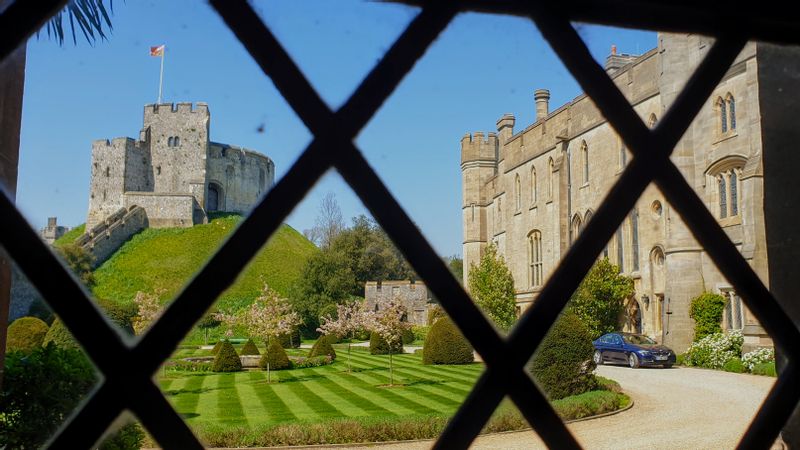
(374, 443)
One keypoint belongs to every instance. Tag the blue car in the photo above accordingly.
(632, 349)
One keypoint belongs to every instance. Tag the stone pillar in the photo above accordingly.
(12, 82)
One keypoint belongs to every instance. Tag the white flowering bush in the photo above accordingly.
(714, 350)
(759, 356)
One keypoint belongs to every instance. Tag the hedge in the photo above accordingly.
(767, 369)
(446, 345)
(734, 365)
(249, 348)
(275, 357)
(408, 336)
(562, 365)
(25, 334)
(227, 360)
(322, 347)
(378, 346)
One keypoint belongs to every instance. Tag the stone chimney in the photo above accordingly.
(615, 61)
(542, 97)
(505, 128)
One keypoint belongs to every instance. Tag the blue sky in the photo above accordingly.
(481, 67)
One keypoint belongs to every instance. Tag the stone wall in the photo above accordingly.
(103, 240)
(536, 182)
(241, 176)
(164, 210)
(412, 295)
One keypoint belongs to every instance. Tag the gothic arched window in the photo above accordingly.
(170, 141)
(177, 141)
(620, 250)
(518, 192)
(734, 190)
(535, 258)
(576, 228)
(533, 186)
(635, 239)
(731, 112)
(652, 121)
(723, 197)
(723, 115)
(551, 167)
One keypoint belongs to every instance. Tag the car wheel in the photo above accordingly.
(668, 366)
(598, 358)
(633, 360)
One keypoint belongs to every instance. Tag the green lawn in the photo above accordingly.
(163, 260)
(321, 393)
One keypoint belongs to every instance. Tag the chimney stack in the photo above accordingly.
(542, 98)
(613, 49)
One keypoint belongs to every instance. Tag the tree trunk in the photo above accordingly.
(12, 83)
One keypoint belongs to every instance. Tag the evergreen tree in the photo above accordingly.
(600, 298)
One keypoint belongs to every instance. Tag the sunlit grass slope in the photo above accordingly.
(163, 260)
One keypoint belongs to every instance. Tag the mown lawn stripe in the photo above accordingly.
(420, 370)
(187, 394)
(398, 395)
(254, 412)
(369, 407)
(229, 406)
(277, 410)
(206, 407)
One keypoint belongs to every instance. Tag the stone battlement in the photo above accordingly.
(180, 107)
(475, 147)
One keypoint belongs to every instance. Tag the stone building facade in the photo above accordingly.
(173, 173)
(532, 191)
(411, 294)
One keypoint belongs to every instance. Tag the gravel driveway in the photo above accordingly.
(674, 408)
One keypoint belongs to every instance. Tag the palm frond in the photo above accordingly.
(91, 17)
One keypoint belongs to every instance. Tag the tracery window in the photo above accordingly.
(576, 228)
(734, 312)
(728, 192)
(535, 258)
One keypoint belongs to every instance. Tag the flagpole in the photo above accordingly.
(161, 76)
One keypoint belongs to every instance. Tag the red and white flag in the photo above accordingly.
(157, 51)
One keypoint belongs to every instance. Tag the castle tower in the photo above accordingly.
(179, 138)
(684, 265)
(478, 164)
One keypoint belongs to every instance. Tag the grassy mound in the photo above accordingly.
(70, 236)
(163, 260)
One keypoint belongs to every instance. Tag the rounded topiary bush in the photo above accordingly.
(378, 346)
(275, 356)
(249, 348)
(408, 336)
(322, 347)
(446, 345)
(227, 360)
(562, 365)
(59, 336)
(26, 334)
(290, 340)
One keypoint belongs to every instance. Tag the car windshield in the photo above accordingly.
(637, 339)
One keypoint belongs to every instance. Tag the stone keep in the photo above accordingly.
(532, 191)
(173, 175)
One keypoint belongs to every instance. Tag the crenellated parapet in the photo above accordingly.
(474, 147)
(176, 108)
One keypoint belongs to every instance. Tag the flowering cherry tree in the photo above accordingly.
(149, 309)
(388, 323)
(349, 319)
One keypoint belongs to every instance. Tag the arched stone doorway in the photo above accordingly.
(633, 317)
(215, 197)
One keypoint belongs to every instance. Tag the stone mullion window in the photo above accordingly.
(723, 116)
(723, 196)
(734, 193)
(731, 112)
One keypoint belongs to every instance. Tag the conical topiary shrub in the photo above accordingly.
(217, 346)
(59, 336)
(446, 345)
(249, 348)
(227, 360)
(275, 356)
(379, 346)
(26, 334)
(322, 347)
